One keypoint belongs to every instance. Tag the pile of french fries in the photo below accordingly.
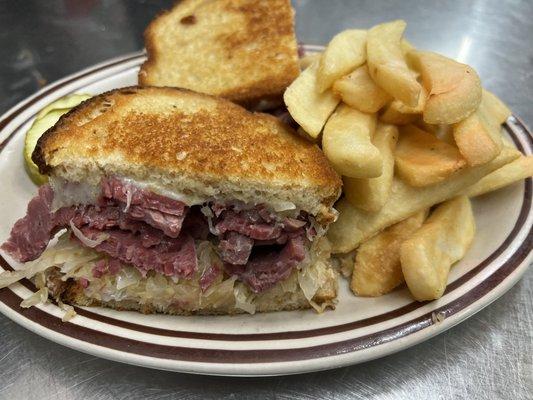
(415, 136)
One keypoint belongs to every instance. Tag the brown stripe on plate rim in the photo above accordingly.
(526, 206)
(225, 356)
(279, 335)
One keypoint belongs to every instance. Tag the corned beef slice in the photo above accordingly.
(153, 232)
(171, 257)
(30, 235)
(105, 266)
(235, 248)
(249, 223)
(158, 211)
(263, 272)
(114, 188)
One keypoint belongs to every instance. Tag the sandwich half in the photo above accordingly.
(171, 201)
(242, 50)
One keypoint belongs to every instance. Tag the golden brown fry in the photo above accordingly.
(307, 107)
(346, 142)
(454, 88)
(359, 91)
(400, 114)
(442, 132)
(426, 257)
(495, 107)
(417, 109)
(391, 115)
(407, 47)
(478, 140)
(440, 74)
(515, 171)
(354, 226)
(377, 269)
(370, 194)
(422, 159)
(478, 136)
(345, 52)
(387, 64)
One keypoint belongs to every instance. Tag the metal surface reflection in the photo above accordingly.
(488, 356)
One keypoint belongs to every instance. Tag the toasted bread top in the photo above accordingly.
(189, 142)
(242, 50)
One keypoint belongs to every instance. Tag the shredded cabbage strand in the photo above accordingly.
(129, 195)
(84, 239)
(308, 281)
(127, 277)
(39, 297)
(69, 311)
(28, 271)
(65, 254)
(209, 215)
(242, 300)
(319, 229)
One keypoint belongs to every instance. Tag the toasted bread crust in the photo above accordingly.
(250, 54)
(179, 133)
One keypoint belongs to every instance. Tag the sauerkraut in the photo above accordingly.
(84, 239)
(39, 297)
(77, 262)
(244, 299)
(65, 254)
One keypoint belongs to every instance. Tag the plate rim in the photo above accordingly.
(256, 369)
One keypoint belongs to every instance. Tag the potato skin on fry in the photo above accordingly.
(478, 136)
(454, 88)
(377, 268)
(426, 257)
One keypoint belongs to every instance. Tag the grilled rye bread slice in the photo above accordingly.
(242, 50)
(186, 142)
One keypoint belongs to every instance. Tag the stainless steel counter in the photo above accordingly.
(490, 356)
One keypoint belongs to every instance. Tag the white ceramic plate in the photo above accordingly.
(359, 329)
